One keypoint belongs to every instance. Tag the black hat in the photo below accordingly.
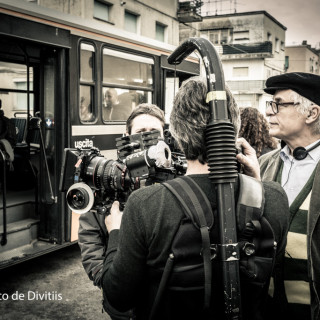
(306, 84)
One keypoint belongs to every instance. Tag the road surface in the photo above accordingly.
(53, 286)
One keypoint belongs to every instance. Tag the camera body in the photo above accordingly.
(92, 182)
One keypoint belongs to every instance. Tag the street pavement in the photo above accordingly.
(50, 287)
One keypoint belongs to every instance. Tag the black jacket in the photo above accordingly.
(150, 220)
(92, 240)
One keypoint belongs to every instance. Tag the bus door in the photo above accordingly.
(172, 77)
(53, 115)
(33, 97)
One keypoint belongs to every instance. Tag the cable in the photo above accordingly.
(288, 174)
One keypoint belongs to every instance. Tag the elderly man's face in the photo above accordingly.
(146, 123)
(288, 124)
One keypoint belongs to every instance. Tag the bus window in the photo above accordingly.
(87, 83)
(118, 103)
(86, 106)
(13, 88)
(127, 82)
(172, 86)
(127, 69)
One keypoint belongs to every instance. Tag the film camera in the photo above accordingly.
(92, 182)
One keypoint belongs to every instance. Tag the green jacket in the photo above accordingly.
(269, 167)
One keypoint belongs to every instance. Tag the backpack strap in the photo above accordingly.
(197, 208)
(255, 234)
(162, 286)
(195, 204)
(192, 199)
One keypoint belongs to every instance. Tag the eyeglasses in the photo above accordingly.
(275, 105)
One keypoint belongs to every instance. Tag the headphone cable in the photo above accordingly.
(288, 174)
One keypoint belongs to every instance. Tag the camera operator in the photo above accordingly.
(153, 215)
(93, 235)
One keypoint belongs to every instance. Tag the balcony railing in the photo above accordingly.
(247, 85)
(259, 47)
(189, 11)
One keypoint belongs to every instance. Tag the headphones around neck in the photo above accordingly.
(301, 153)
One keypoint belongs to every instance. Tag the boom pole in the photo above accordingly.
(221, 153)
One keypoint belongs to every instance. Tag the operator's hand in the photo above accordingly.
(113, 220)
(248, 159)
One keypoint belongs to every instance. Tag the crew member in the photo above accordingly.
(152, 216)
(93, 235)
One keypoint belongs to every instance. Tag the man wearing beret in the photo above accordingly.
(294, 117)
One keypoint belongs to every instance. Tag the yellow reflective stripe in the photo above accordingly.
(216, 95)
(297, 245)
(271, 287)
(306, 203)
(297, 291)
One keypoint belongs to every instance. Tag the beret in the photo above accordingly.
(305, 84)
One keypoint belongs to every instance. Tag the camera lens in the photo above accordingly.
(94, 172)
(101, 173)
(80, 198)
(115, 176)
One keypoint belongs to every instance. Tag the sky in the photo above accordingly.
(300, 17)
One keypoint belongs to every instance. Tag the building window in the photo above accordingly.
(282, 46)
(311, 65)
(224, 36)
(286, 63)
(101, 11)
(160, 32)
(221, 36)
(277, 45)
(241, 35)
(214, 37)
(131, 22)
(269, 36)
(240, 71)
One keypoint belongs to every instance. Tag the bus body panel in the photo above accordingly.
(58, 72)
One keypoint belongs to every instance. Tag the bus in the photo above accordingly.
(59, 76)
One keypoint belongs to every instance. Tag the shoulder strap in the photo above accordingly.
(192, 199)
(3, 126)
(255, 234)
(250, 202)
(197, 207)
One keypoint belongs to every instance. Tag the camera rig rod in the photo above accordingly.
(221, 154)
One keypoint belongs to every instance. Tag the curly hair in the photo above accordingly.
(190, 115)
(255, 129)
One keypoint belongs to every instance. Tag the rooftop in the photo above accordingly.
(248, 14)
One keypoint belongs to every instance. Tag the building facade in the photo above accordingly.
(302, 58)
(148, 18)
(251, 47)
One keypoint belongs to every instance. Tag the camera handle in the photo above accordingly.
(103, 210)
(220, 143)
